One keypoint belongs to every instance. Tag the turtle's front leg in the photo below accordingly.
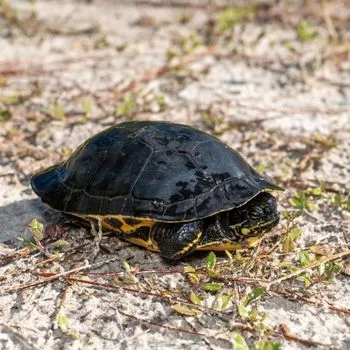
(177, 240)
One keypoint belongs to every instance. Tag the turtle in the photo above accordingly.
(168, 187)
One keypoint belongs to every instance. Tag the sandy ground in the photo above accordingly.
(73, 68)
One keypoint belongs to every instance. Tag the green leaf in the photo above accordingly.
(305, 277)
(195, 298)
(211, 261)
(62, 321)
(243, 311)
(284, 263)
(127, 107)
(261, 168)
(191, 275)
(300, 201)
(329, 269)
(86, 103)
(305, 258)
(336, 268)
(59, 243)
(231, 16)
(238, 342)
(186, 310)
(290, 215)
(314, 192)
(289, 239)
(321, 269)
(296, 233)
(36, 228)
(290, 46)
(255, 294)
(212, 287)
(127, 267)
(288, 244)
(343, 202)
(229, 255)
(57, 110)
(27, 243)
(189, 268)
(225, 300)
(267, 345)
(10, 99)
(161, 102)
(306, 31)
(5, 115)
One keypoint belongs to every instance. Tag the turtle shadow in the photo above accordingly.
(15, 217)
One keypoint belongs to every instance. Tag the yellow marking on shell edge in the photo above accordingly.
(124, 227)
(230, 246)
(146, 244)
(127, 228)
(190, 245)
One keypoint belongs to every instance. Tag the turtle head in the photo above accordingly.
(255, 217)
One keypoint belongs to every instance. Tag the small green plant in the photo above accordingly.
(305, 258)
(233, 15)
(185, 45)
(186, 310)
(306, 31)
(328, 270)
(63, 324)
(87, 104)
(340, 201)
(246, 312)
(27, 243)
(288, 241)
(161, 102)
(195, 298)
(5, 115)
(254, 295)
(238, 342)
(189, 43)
(290, 46)
(191, 275)
(305, 278)
(127, 107)
(11, 99)
(36, 228)
(57, 110)
(211, 262)
(267, 345)
(300, 201)
(212, 287)
(101, 43)
(62, 321)
(223, 301)
(304, 199)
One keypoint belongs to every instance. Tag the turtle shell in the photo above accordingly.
(156, 170)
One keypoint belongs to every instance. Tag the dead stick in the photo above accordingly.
(55, 277)
(319, 262)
